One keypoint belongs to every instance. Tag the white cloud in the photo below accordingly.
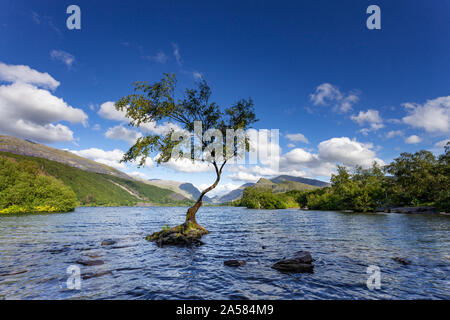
(65, 57)
(291, 145)
(110, 158)
(138, 174)
(370, 117)
(221, 189)
(244, 176)
(122, 133)
(328, 94)
(394, 133)
(24, 74)
(442, 143)
(433, 116)
(197, 75)
(108, 111)
(187, 165)
(347, 152)
(298, 156)
(176, 53)
(413, 139)
(297, 137)
(160, 57)
(29, 112)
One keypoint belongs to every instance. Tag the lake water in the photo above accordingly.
(36, 250)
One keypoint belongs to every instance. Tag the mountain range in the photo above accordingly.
(91, 179)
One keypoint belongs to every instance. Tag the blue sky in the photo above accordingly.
(311, 67)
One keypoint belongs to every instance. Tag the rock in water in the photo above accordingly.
(403, 261)
(90, 262)
(300, 262)
(108, 242)
(178, 236)
(234, 263)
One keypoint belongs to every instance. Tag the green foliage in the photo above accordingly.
(25, 189)
(95, 189)
(410, 180)
(259, 198)
(157, 102)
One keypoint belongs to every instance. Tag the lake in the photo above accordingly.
(36, 251)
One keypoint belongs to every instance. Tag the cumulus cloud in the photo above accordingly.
(122, 133)
(302, 163)
(394, 133)
(108, 111)
(110, 158)
(433, 116)
(187, 165)
(370, 117)
(413, 139)
(297, 137)
(62, 56)
(30, 112)
(347, 152)
(327, 94)
(24, 74)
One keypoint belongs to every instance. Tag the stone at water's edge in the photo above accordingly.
(300, 262)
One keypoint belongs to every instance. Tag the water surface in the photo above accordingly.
(36, 250)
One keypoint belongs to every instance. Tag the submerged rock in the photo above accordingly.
(95, 275)
(108, 242)
(90, 262)
(234, 263)
(300, 262)
(403, 261)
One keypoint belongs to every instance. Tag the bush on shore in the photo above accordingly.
(24, 188)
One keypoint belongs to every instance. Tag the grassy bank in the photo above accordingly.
(89, 188)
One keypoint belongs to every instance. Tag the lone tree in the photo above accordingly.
(155, 102)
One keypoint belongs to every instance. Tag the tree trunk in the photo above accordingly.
(192, 211)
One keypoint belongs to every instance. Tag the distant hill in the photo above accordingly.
(98, 189)
(186, 189)
(232, 195)
(311, 182)
(279, 184)
(29, 148)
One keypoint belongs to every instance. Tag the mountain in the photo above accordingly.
(32, 149)
(92, 182)
(188, 190)
(232, 195)
(311, 182)
(279, 184)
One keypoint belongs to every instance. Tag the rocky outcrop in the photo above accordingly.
(300, 262)
(178, 236)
